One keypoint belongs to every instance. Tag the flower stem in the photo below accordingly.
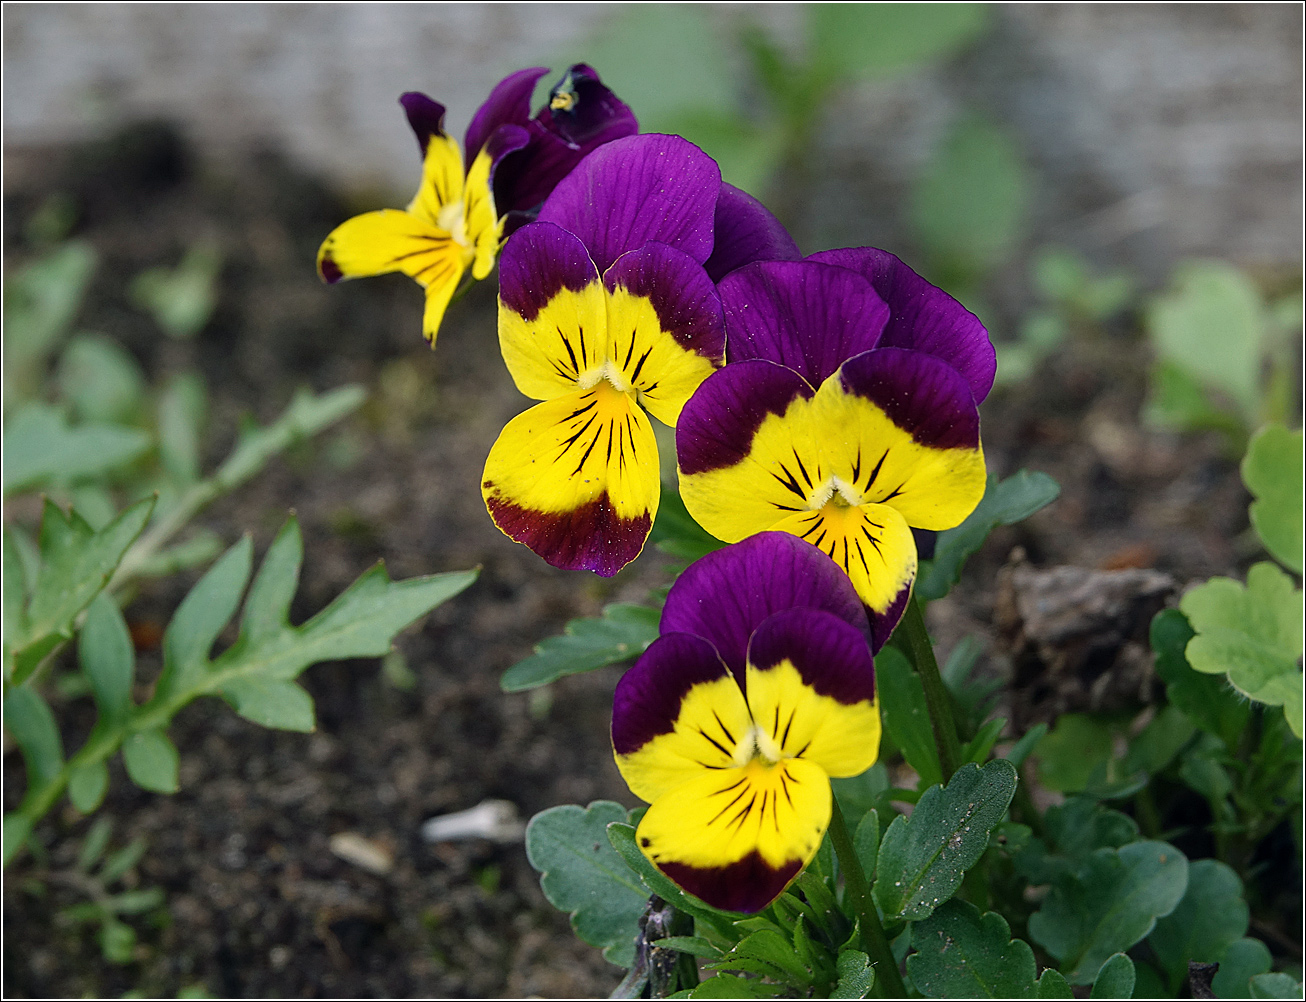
(888, 981)
(937, 699)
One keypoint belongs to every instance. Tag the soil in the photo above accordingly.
(257, 903)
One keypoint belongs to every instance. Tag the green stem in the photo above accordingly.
(937, 699)
(887, 979)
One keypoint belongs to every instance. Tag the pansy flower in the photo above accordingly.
(605, 312)
(759, 689)
(847, 416)
(455, 222)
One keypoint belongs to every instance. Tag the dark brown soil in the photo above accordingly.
(257, 904)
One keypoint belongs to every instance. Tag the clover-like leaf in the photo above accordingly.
(1115, 980)
(1252, 634)
(1242, 960)
(1110, 902)
(1209, 701)
(1053, 985)
(1005, 502)
(963, 954)
(581, 874)
(1272, 471)
(922, 859)
(1209, 918)
(620, 634)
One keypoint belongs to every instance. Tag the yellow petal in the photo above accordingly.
(440, 195)
(478, 216)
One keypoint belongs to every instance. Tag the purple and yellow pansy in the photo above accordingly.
(847, 416)
(758, 691)
(605, 312)
(456, 221)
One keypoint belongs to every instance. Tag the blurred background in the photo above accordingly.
(1116, 190)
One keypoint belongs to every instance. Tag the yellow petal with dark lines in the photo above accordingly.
(551, 353)
(483, 228)
(442, 181)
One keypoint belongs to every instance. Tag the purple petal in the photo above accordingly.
(583, 112)
(635, 190)
(683, 297)
(748, 885)
(592, 537)
(425, 117)
(717, 425)
(922, 316)
(884, 623)
(539, 262)
(726, 595)
(830, 655)
(744, 232)
(809, 317)
(920, 393)
(508, 104)
(648, 697)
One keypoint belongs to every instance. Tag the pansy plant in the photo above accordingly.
(847, 416)
(456, 220)
(759, 689)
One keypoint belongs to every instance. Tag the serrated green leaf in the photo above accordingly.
(623, 632)
(1276, 986)
(1210, 702)
(866, 842)
(1052, 985)
(1109, 903)
(850, 40)
(93, 846)
(1272, 471)
(31, 724)
(181, 412)
(40, 448)
(121, 861)
(1253, 634)
(922, 859)
(767, 952)
(906, 715)
(695, 946)
(963, 954)
(1241, 961)
(272, 703)
(87, 785)
(305, 417)
(104, 650)
(581, 874)
(100, 379)
(267, 610)
(856, 976)
(151, 760)
(1005, 502)
(1210, 917)
(1115, 980)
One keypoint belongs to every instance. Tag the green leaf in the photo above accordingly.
(100, 379)
(969, 205)
(181, 299)
(1021, 749)
(87, 785)
(622, 839)
(200, 548)
(858, 794)
(695, 946)
(1177, 400)
(17, 828)
(117, 941)
(40, 448)
(977, 749)
(267, 610)
(1210, 324)
(856, 976)
(769, 953)
(1272, 471)
(135, 902)
(121, 861)
(866, 841)
(1005, 502)
(905, 714)
(1211, 916)
(1209, 702)
(674, 530)
(181, 411)
(731, 986)
(1160, 741)
(1275, 986)
(850, 40)
(41, 302)
(1241, 961)
(1253, 634)
(1074, 830)
(623, 632)
(581, 874)
(29, 720)
(1052, 985)
(1110, 902)
(1115, 980)
(922, 859)
(93, 846)
(104, 649)
(1068, 755)
(151, 760)
(963, 954)
(271, 703)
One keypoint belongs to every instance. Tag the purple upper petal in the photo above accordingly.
(583, 113)
(744, 232)
(810, 317)
(539, 262)
(921, 394)
(717, 425)
(508, 104)
(725, 596)
(426, 117)
(683, 297)
(634, 190)
(923, 317)
(648, 697)
(830, 656)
